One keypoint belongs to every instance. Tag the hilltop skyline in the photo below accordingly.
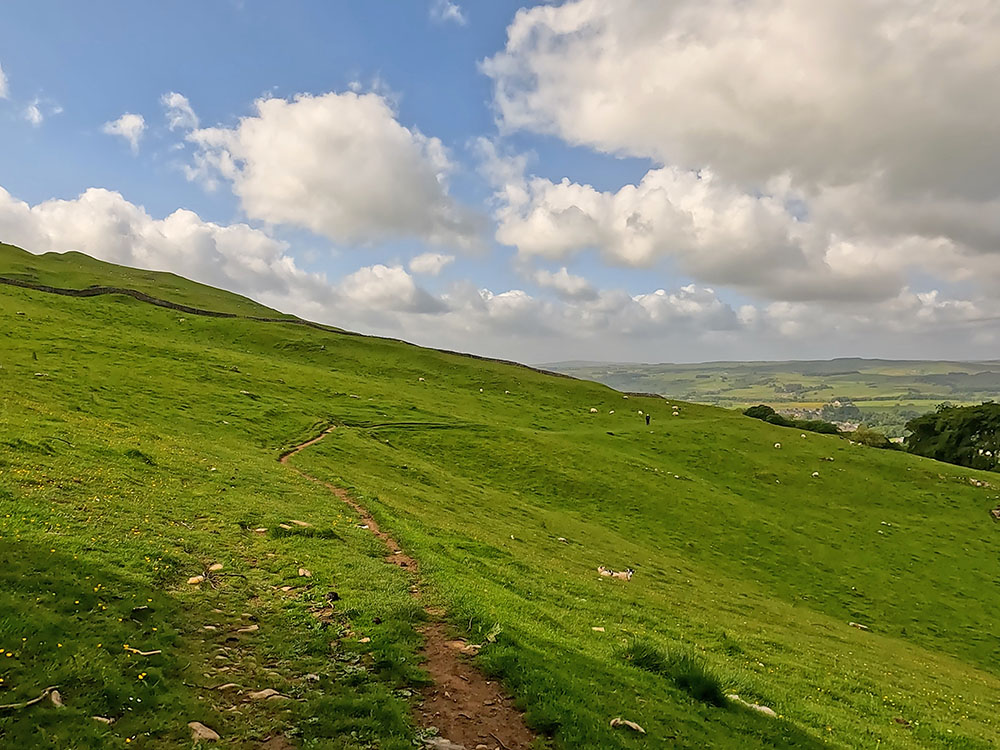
(638, 182)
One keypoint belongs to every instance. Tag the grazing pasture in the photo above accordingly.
(138, 450)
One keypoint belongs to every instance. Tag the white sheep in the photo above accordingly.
(777, 445)
(815, 474)
(611, 412)
(624, 575)
(802, 435)
(640, 412)
(480, 390)
(593, 410)
(420, 380)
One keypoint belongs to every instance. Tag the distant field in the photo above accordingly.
(889, 391)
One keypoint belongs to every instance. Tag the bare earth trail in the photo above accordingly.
(466, 708)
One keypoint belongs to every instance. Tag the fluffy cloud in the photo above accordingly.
(800, 152)
(340, 165)
(681, 324)
(4, 86)
(33, 114)
(178, 110)
(104, 225)
(430, 264)
(388, 289)
(130, 127)
(760, 87)
(445, 10)
(565, 284)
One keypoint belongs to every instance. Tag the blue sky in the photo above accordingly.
(625, 182)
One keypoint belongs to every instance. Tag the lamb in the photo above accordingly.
(623, 575)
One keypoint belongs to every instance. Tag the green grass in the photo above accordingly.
(138, 457)
(687, 671)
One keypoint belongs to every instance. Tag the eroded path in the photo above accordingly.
(467, 709)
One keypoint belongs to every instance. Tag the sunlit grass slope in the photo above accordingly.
(138, 446)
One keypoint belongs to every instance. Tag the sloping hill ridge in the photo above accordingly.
(138, 448)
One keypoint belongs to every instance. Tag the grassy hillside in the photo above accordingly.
(138, 447)
(78, 271)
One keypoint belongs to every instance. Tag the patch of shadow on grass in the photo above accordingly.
(686, 670)
(27, 446)
(138, 455)
(304, 531)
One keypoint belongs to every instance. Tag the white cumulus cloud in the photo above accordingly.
(130, 127)
(4, 85)
(178, 110)
(430, 264)
(800, 151)
(340, 165)
(565, 284)
(446, 11)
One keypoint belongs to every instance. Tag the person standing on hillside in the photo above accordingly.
(647, 420)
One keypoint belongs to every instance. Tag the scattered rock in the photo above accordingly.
(755, 706)
(227, 686)
(56, 699)
(260, 530)
(996, 513)
(249, 629)
(859, 626)
(201, 733)
(215, 567)
(312, 677)
(466, 648)
(620, 722)
(440, 743)
(303, 524)
(260, 695)
(563, 539)
(597, 629)
(305, 572)
(366, 639)
(103, 719)
(284, 526)
(902, 722)
(193, 580)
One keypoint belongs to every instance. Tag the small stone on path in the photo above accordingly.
(440, 743)
(305, 572)
(249, 629)
(214, 567)
(201, 733)
(193, 580)
(56, 699)
(300, 523)
(259, 695)
(620, 722)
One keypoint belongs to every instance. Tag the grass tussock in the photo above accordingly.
(685, 669)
